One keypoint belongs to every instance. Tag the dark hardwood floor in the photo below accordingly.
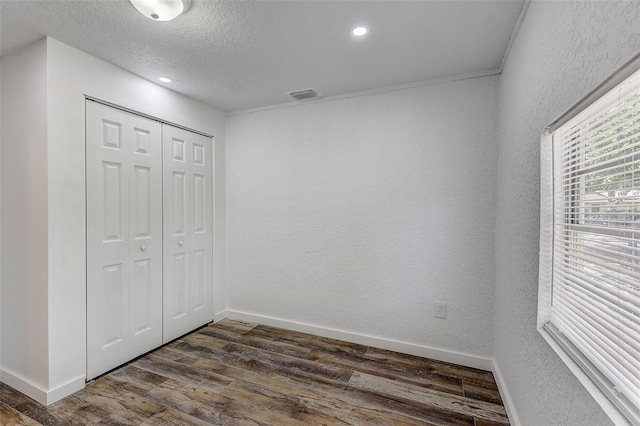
(235, 373)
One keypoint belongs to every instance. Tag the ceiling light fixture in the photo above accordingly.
(359, 31)
(160, 10)
(165, 79)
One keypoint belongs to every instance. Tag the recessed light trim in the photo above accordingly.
(359, 31)
(165, 79)
(160, 10)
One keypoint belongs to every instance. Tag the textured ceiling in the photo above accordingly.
(235, 55)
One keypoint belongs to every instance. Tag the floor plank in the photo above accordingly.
(9, 416)
(390, 370)
(308, 340)
(462, 405)
(184, 373)
(358, 398)
(239, 373)
(431, 366)
(169, 416)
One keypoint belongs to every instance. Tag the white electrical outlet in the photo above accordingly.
(441, 310)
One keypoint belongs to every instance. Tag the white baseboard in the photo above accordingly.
(24, 386)
(64, 390)
(363, 339)
(506, 397)
(36, 392)
(218, 316)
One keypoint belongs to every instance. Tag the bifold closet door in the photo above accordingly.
(124, 237)
(188, 231)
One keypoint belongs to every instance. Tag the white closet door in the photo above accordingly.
(124, 237)
(188, 232)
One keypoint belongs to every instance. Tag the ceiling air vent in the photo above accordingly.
(300, 95)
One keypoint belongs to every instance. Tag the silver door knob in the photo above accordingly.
(180, 243)
(143, 247)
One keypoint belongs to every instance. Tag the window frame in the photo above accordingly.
(620, 410)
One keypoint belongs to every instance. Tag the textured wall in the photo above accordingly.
(562, 51)
(43, 218)
(71, 75)
(356, 214)
(24, 215)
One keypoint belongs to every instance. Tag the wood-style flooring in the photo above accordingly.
(235, 373)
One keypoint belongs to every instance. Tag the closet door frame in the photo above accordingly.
(199, 313)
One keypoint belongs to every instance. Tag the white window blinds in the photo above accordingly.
(595, 294)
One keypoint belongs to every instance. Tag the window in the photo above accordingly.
(590, 242)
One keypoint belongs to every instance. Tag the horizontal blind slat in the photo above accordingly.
(606, 331)
(600, 289)
(612, 370)
(604, 262)
(606, 311)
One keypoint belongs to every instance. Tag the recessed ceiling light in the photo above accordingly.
(359, 31)
(159, 10)
(165, 79)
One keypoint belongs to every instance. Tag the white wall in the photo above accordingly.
(0, 211)
(350, 217)
(70, 75)
(24, 217)
(563, 50)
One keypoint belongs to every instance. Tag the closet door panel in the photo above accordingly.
(201, 234)
(124, 244)
(145, 229)
(176, 276)
(188, 233)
